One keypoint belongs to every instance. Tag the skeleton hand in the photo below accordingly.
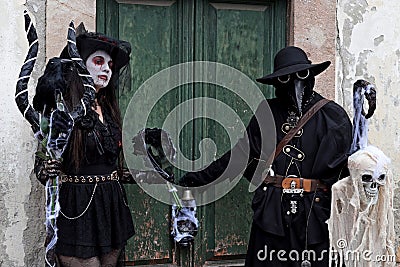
(52, 168)
(46, 169)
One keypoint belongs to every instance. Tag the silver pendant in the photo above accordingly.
(293, 206)
(292, 119)
(306, 263)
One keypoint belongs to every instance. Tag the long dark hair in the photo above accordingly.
(106, 98)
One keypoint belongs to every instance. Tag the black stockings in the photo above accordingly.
(107, 260)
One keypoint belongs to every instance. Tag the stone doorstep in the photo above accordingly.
(225, 263)
(216, 263)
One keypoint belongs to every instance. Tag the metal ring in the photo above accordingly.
(283, 81)
(303, 77)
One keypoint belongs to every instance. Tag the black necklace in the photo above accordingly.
(293, 117)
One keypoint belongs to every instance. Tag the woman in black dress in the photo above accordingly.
(94, 222)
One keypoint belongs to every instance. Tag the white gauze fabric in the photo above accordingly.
(361, 232)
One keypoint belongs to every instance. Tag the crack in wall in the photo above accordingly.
(4, 222)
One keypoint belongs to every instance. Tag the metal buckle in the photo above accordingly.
(293, 189)
(293, 152)
(286, 127)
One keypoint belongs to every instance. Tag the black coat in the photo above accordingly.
(325, 142)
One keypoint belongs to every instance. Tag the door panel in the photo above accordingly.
(239, 35)
(153, 49)
(242, 34)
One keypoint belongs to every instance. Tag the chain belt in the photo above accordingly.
(89, 179)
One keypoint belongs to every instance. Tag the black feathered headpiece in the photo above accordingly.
(90, 42)
(57, 68)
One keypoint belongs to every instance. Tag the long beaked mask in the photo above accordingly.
(295, 89)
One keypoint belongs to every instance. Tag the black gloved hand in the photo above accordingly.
(185, 181)
(46, 169)
(61, 125)
(370, 95)
(125, 176)
(52, 168)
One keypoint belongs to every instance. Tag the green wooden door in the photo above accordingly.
(242, 34)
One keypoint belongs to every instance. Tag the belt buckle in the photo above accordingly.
(293, 189)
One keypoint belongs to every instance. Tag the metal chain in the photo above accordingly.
(90, 201)
(83, 212)
(122, 193)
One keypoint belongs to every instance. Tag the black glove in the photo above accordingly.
(186, 181)
(52, 168)
(61, 125)
(125, 176)
(370, 95)
(47, 169)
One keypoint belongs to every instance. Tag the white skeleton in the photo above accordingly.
(361, 225)
(371, 166)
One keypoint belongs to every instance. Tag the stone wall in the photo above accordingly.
(22, 202)
(312, 26)
(368, 48)
(21, 197)
(59, 14)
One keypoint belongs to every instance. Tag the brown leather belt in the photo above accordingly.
(89, 179)
(308, 185)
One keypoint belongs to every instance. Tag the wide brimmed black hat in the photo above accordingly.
(289, 60)
(90, 42)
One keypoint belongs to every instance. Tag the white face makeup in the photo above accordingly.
(99, 65)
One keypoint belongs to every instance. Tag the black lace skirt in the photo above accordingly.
(99, 219)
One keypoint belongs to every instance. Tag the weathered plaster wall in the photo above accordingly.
(59, 15)
(21, 208)
(368, 48)
(22, 230)
(312, 26)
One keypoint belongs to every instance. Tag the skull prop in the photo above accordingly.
(362, 211)
(368, 169)
(371, 185)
